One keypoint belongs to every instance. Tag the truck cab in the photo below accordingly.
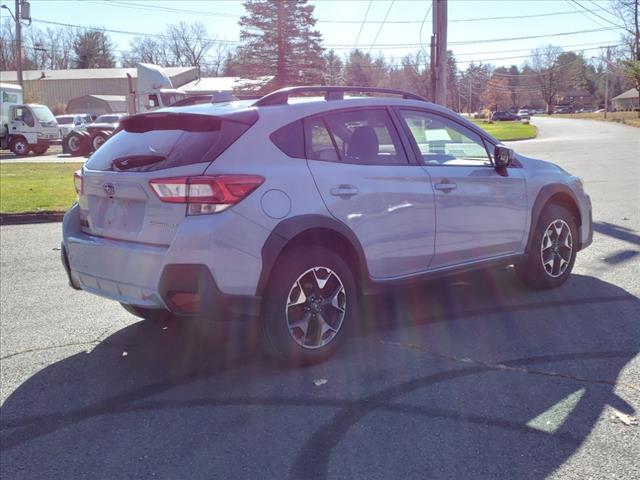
(31, 127)
(25, 127)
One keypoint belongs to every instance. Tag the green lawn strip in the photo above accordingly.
(626, 118)
(36, 187)
(505, 131)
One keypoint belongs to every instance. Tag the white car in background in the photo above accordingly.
(72, 122)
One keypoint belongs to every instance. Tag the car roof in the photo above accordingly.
(300, 107)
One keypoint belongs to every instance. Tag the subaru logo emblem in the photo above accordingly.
(109, 189)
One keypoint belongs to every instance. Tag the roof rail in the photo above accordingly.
(281, 97)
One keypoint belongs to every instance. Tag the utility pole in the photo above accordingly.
(606, 83)
(18, 42)
(439, 53)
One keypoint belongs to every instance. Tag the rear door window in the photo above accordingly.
(363, 136)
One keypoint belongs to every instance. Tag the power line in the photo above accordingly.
(375, 39)
(362, 25)
(115, 3)
(424, 52)
(526, 49)
(494, 40)
(599, 16)
(516, 57)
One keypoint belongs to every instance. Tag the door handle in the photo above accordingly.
(344, 191)
(446, 187)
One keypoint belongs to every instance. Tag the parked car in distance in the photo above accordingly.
(523, 114)
(72, 121)
(91, 136)
(540, 111)
(563, 109)
(504, 117)
(108, 122)
(294, 210)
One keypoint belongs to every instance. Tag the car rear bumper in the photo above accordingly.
(139, 274)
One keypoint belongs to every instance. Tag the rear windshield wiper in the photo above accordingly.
(134, 161)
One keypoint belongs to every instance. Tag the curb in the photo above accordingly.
(27, 218)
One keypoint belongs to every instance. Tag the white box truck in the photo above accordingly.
(25, 128)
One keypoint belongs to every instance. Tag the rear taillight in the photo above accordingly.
(205, 194)
(77, 181)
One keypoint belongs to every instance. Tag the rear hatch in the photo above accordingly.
(116, 199)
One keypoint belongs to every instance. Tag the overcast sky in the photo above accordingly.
(340, 22)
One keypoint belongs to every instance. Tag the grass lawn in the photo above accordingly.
(628, 118)
(508, 130)
(36, 187)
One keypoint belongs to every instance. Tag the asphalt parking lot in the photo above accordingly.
(466, 378)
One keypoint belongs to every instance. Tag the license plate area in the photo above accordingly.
(117, 214)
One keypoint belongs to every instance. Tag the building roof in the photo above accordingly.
(84, 73)
(110, 98)
(207, 85)
(631, 93)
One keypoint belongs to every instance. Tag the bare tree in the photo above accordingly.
(146, 50)
(544, 62)
(7, 45)
(627, 11)
(216, 60)
(188, 44)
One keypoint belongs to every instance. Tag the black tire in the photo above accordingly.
(40, 150)
(153, 314)
(306, 266)
(77, 143)
(560, 260)
(20, 147)
(98, 139)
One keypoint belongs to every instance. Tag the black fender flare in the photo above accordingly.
(544, 195)
(288, 229)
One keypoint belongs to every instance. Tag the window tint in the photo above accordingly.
(290, 139)
(319, 143)
(178, 147)
(444, 142)
(365, 137)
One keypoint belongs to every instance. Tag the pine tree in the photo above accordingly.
(278, 37)
(93, 49)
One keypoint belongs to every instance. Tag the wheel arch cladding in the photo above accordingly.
(312, 230)
(555, 194)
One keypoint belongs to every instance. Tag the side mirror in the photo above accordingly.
(502, 156)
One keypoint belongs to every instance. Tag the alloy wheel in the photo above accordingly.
(316, 307)
(556, 249)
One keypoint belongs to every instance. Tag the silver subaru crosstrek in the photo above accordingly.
(292, 207)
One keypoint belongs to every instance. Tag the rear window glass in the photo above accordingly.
(178, 147)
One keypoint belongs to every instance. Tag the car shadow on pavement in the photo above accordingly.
(466, 378)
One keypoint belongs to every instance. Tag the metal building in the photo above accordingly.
(55, 88)
(98, 104)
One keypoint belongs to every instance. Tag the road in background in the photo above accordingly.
(468, 378)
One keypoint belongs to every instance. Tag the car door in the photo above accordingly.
(362, 172)
(481, 211)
